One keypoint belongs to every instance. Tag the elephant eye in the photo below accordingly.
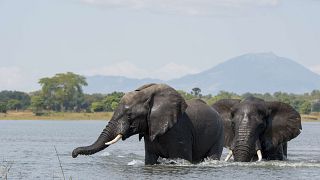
(129, 116)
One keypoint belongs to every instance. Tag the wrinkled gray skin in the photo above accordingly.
(171, 127)
(254, 124)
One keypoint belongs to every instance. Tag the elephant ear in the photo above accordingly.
(225, 108)
(166, 106)
(283, 124)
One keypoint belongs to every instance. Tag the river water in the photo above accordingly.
(28, 146)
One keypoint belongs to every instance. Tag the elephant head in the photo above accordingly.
(253, 126)
(150, 111)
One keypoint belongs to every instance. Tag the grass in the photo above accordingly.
(28, 115)
(314, 117)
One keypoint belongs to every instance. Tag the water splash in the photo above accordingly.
(105, 154)
(220, 164)
(135, 163)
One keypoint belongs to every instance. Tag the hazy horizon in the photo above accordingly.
(148, 39)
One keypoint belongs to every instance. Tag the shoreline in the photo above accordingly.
(98, 116)
(60, 116)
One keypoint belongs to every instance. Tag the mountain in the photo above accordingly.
(261, 72)
(107, 84)
(256, 73)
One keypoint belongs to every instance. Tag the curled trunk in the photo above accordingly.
(106, 135)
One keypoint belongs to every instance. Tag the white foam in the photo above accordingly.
(105, 154)
(135, 162)
(216, 163)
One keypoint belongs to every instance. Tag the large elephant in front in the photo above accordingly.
(256, 129)
(171, 127)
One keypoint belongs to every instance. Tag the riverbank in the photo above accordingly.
(311, 117)
(28, 115)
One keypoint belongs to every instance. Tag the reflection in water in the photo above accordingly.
(30, 145)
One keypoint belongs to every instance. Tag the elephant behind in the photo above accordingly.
(171, 127)
(256, 129)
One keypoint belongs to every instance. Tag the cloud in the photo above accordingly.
(127, 69)
(173, 70)
(190, 7)
(10, 78)
(315, 68)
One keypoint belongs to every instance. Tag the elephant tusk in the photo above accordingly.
(229, 155)
(119, 136)
(259, 155)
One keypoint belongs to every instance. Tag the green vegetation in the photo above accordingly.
(63, 94)
(305, 104)
(60, 93)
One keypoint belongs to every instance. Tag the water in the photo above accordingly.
(30, 145)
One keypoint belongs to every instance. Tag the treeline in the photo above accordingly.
(303, 103)
(63, 93)
(60, 93)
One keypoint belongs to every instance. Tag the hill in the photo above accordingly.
(260, 73)
(107, 84)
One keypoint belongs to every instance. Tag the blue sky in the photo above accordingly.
(162, 39)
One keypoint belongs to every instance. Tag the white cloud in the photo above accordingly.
(10, 78)
(173, 70)
(127, 69)
(315, 68)
(190, 7)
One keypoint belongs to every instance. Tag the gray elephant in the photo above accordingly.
(171, 127)
(256, 129)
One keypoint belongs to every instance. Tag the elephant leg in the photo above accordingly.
(285, 146)
(215, 152)
(150, 158)
(277, 153)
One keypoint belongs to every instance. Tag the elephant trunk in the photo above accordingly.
(242, 153)
(106, 135)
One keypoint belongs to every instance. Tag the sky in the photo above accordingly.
(162, 39)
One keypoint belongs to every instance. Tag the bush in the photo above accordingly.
(97, 107)
(305, 108)
(114, 105)
(316, 106)
(3, 108)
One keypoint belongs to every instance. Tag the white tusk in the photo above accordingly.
(119, 136)
(259, 155)
(229, 156)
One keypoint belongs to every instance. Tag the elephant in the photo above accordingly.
(171, 127)
(256, 129)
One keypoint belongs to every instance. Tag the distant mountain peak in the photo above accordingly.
(252, 72)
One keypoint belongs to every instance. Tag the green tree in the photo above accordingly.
(14, 104)
(114, 105)
(186, 95)
(37, 104)
(305, 107)
(63, 91)
(3, 107)
(196, 92)
(97, 107)
(110, 98)
(222, 95)
(316, 106)
(14, 97)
